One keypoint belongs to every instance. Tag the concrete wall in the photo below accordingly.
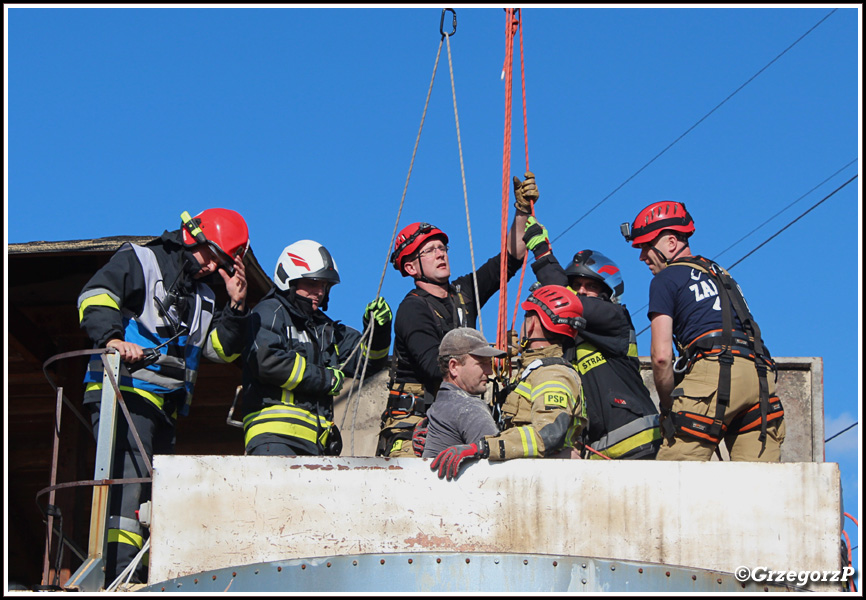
(219, 511)
(800, 385)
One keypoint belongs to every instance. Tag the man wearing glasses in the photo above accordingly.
(434, 306)
(151, 305)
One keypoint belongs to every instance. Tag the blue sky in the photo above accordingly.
(304, 120)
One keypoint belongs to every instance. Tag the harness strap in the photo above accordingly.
(732, 301)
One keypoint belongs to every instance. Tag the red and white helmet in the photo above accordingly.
(410, 239)
(655, 218)
(305, 259)
(559, 309)
(223, 230)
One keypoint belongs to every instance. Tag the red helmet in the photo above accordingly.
(223, 230)
(410, 239)
(657, 217)
(559, 309)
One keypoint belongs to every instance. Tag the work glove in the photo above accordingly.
(337, 378)
(419, 437)
(449, 460)
(535, 237)
(525, 193)
(379, 310)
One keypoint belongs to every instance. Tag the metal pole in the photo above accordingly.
(46, 568)
(91, 575)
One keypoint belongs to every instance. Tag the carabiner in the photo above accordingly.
(453, 23)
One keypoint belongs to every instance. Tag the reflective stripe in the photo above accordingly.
(624, 439)
(374, 354)
(632, 348)
(157, 400)
(218, 347)
(297, 375)
(550, 386)
(527, 437)
(97, 300)
(121, 536)
(286, 420)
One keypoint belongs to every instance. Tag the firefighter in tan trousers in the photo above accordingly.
(543, 411)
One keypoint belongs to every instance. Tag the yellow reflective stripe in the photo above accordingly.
(305, 430)
(632, 349)
(588, 359)
(554, 392)
(639, 439)
(276, 411)
(527, 437)
(125, 388)
(297, 374)
(524, 389)
(218, 347)
(97, 300)
(375, 354)
(121, 536)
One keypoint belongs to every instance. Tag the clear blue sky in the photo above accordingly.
(304, 120)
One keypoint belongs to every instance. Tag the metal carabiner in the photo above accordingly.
(453, 23)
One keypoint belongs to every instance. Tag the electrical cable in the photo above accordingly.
(813, 207)
(689, 130)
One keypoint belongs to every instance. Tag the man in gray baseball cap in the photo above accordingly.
(460, 414)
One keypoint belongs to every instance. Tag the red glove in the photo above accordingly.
(419, 437)
(448, 461)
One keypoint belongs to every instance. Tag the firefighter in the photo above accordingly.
(460, 414)
(292, 369)
(156, 296)
(433, 307)
(543, 411)
(623, 420)
(722, 385)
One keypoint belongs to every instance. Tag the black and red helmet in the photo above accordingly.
(559, 309)
(410, 239)
(595, 265)
(657, 217)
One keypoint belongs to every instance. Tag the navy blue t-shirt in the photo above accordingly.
(691, 298)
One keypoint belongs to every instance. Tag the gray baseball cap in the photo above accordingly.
(465, 340)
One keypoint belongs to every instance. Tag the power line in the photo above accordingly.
(689, 130)
(813, 207)
(784, 209)
(841, 432)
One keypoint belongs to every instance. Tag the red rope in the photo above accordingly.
(526, 154)
(511, 25)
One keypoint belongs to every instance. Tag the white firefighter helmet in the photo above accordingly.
(305, 259)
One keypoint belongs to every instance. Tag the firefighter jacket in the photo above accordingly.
(544, 413)
(623, 420)
(422, 320)
(286, 381)
(148, 295)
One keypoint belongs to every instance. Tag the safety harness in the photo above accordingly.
(403, 404)
(725, 344)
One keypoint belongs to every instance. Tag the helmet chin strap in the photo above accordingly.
(664, 258)
(423, 278)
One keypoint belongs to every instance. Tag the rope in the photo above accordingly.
(511, 25)
(463, 177)
(526, 154)
(368, 333)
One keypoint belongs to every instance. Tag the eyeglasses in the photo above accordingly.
(428, 251)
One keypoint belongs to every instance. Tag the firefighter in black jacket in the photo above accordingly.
(155, 296)
(623, 420)
(431, 309)
(292, 368)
